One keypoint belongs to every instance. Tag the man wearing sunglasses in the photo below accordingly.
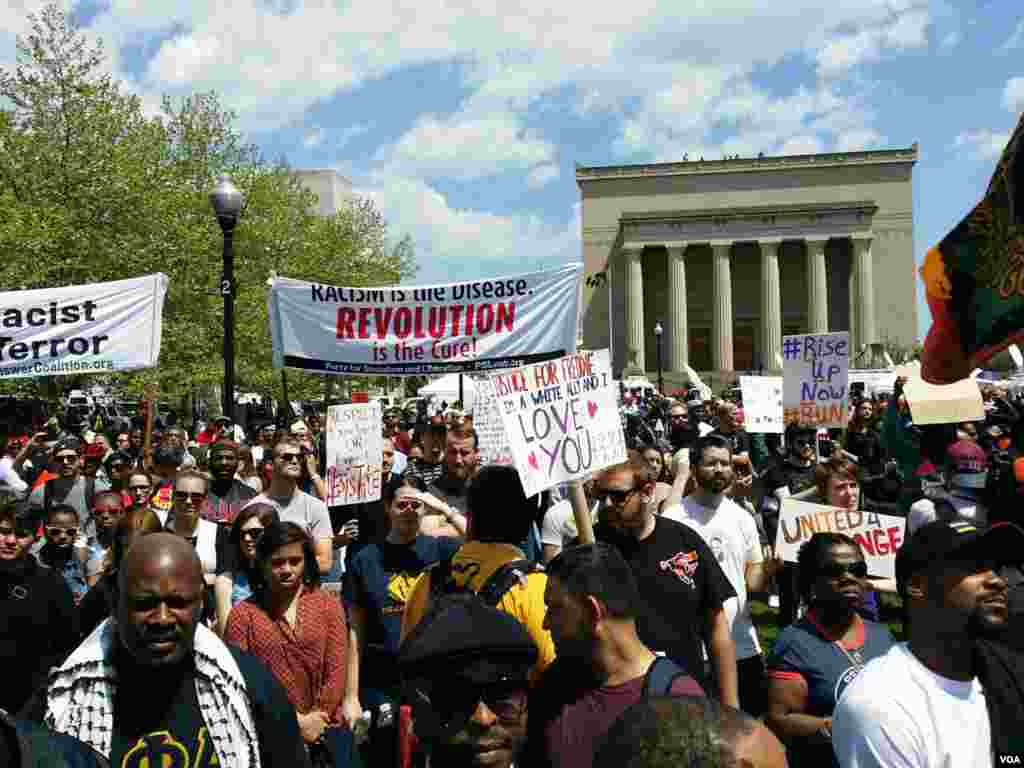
(70, 487)
(37, 612)
(56, 549)
(464, 670)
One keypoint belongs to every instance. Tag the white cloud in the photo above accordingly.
(984, 144)
(1015, 40)
(857, 140)
(542, 175)
(801, 145)
(842, 52)
(313, 138)
(951, 40)
(1013, 94)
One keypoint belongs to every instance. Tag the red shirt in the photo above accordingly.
(310, 659)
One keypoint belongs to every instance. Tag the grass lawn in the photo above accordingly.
(767, 631)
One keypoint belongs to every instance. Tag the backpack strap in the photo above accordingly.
(503, 579)
(660, 677)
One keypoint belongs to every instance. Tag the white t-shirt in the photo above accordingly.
(731, 533)
(559, 528)
(302, 509)
(923, 512)
(900, 714)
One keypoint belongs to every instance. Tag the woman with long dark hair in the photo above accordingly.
(300, 632)
(241, 573)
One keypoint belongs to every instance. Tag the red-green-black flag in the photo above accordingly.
(974, 278)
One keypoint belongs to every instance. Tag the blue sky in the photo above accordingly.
(465, 120)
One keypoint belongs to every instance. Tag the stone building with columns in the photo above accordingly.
(729, 256)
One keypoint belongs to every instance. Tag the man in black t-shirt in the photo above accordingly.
(683, 586)
(739, 438)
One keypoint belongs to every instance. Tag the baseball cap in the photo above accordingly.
(940, 540)
(460, 633)
(299, 428)
(968, 464)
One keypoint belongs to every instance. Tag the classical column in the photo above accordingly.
(721, 330)
(678, 330)
(852, 290)
(817, 287)
(771, 306)
(865, 290)
(634, 310)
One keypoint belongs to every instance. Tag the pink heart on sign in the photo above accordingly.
(533, 461)
(591, 408)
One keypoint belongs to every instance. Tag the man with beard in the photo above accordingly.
(731, 533)
(684, 588)
(602, 665)
(37, 612)
(156, 687)
(452, 487)
(433, 440)
(681, 432)
(227, 494)
(70, 487)
(946, 697)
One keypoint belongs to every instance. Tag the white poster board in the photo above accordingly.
(815, 371)
(874, 380)
(879, 536)
(489, 426)
(561, 418)
(355, 451)
(762, 404)
(95, 328)
(944, 404)
(477, 325)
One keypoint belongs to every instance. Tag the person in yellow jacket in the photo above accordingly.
(489, 565)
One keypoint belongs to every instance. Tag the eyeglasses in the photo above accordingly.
(858, 570)
(455, 702)
(288, 458)
(183, 496)
(67, 458)
(252, 533)
(409, 505)
(615, 496)
(54, 531)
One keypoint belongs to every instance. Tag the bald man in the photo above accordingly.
(156, 687)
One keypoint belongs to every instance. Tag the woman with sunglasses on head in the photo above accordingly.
(300, 632)
(241, 575)
(815, 659)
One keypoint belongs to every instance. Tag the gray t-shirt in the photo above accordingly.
(304, 510)
(73, 495)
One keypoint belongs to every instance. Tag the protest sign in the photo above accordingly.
(815, 370)
(948, 404)
(494, 447)
(561, 418)
(477, 325)
(879, 536)
(762, 404)
(95, 328)
(874, 381)
(355, 450)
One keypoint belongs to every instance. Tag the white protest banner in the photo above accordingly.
(874, 381)
(944, 403)
(355, 450)
(762, 404)
(490, 427)
(815, 368)
(95, 328)
(879, 536)
(561, 418)
(475, 325)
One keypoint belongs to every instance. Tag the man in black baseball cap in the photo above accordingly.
(465, 670)
(949, 695)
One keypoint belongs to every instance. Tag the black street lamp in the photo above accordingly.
(658, 331)
(227, 201)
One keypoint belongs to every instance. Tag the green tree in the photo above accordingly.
(94, 189)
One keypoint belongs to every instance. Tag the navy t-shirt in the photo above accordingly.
(804, 651)
(380, 579)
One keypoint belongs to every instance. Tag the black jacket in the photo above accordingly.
(1001, 672)
(29, 745)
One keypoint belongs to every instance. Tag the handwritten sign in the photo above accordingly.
(355, 452)
(490, 427)
(561, 418)
(879, 536)
(762, 404)
(815, 371)
(944, 403)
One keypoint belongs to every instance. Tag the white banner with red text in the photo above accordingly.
(474, 325)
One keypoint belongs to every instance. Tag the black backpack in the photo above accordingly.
(500, 582)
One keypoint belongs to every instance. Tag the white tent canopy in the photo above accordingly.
(447, 388)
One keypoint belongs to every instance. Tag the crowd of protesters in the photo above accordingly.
(199, 603)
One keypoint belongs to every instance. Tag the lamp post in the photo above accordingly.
(226, 200)
(658, 330)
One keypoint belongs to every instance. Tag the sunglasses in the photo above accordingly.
(54, 531)
(408, 506)
(454, 704)
(67, 458)
(288, 458)
(615, 496)
(182, 496)
(858, 570)
(252, 533)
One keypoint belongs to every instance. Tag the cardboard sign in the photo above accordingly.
(478, 325)
(762, 404)
(815, 370)
(879, 536)
(355, 451)
(561, 419)
(96, 328)
(490, 427)
(944, 404)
